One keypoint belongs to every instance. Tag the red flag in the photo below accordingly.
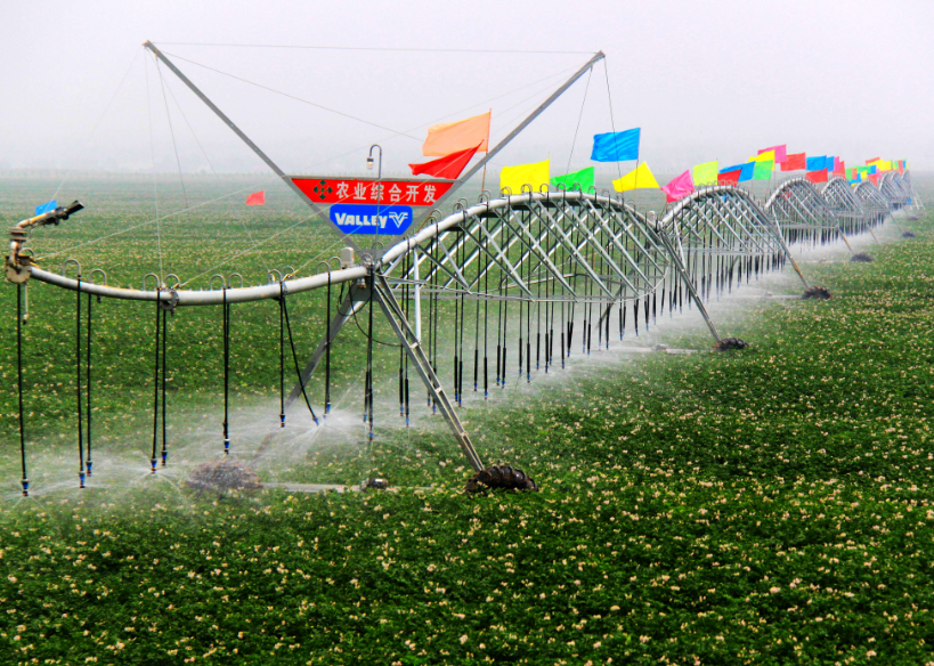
(449, 166)
(257, 199)
(817, 176)
(873, 178)
(874, 159)
(795, 162)
(729, 177)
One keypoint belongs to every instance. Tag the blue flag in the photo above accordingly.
(746, 170)
(817, 163)
(616, 146)
(46, 207)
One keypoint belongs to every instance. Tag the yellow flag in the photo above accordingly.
(705, 174)
(534, 175)
(640, 178)
(767, 156)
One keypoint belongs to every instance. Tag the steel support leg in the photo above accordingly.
(413, 347)
(676, 260)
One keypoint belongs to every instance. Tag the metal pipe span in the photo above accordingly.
(244, 294)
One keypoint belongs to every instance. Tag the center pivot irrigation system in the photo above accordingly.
(524, 278)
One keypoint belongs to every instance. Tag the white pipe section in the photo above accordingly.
(205, 297)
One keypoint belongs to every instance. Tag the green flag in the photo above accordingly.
(582, 180)
(763, 170)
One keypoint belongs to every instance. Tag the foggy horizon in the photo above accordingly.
(711, 83)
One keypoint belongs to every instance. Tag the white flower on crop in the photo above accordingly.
(463, 639)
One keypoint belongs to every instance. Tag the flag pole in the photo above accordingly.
(597, 57)
(636, 183)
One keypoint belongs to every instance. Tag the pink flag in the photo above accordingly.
(679, 188)
(257, 199)
(781, 152)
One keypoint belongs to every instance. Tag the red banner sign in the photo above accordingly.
(388, 191)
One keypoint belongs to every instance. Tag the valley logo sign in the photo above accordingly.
(367, 206)
(371, 219)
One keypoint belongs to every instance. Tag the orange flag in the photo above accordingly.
(257, 199)
(448, 138)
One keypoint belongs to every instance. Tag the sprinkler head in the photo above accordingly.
(88, 465)
(281, 420)
(152, 463)
(226, 447)
(25, 484)
(165, 455)
(81, 479)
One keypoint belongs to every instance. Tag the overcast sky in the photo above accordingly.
(704, 81)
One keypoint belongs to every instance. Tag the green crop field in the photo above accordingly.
(766, 506)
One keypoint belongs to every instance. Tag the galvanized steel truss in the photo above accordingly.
(546, 254)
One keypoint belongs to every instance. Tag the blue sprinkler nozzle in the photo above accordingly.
(88, 465)
(165, 455)
(25, 483)
(226, 446)
(281, 420)
(81, 479)
(152, 462)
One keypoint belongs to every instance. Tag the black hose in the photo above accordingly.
(226, 334)
(155, 397)
(298, 372)
(19, 386)
(165, 335)
(282, 359)
(88, 462)
(327, 354)
(78, 383)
